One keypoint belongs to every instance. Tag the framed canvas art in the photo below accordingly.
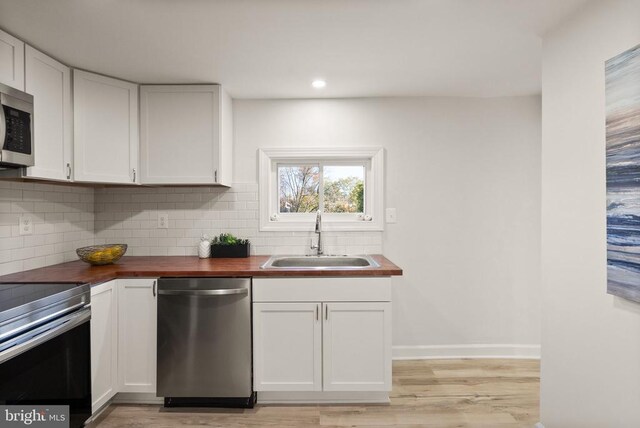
(622, 84)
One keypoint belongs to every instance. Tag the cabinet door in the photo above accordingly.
(104, 344)
(287, 348)
(11, 61)
(357, 346)
(137, 328)
(50, 84)
(105, 114)
(179, 134)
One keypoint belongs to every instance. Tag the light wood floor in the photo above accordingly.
(430, 393)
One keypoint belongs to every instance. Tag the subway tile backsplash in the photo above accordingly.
(130, 215)
(63, 220)
(66, 217)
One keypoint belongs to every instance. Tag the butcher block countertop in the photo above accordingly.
(184, 266)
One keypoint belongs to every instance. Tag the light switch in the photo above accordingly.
(163, 220)
(391, 215)
(26, 225)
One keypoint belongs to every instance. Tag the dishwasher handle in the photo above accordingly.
(218, 292)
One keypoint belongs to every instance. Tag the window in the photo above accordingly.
(344, 184)
(326, 187)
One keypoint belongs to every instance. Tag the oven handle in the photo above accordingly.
(64, 324)
(52, 316)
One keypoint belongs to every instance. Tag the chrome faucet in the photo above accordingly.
(320, 250)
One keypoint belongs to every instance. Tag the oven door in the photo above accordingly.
(16, 131)
(51, 365)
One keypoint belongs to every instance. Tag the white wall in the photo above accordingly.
(62, 218)
(590, 340)
(464, 175)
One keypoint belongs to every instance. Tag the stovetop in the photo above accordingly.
(13, 295)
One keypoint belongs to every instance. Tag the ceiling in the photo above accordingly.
(275, 48)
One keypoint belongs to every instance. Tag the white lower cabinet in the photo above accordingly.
(356, 341)
(309, 337)
(104, 344)
(287, 347)
(123, 339)
(328, 345)
(137, 331)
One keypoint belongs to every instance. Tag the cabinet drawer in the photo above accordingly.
(361, 289)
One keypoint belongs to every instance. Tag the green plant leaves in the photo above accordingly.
(228, 239)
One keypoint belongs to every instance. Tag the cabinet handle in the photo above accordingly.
(326, 312)
(215, 176)
(317, 312)
(68, 171)
(154, 289)
(134, 175)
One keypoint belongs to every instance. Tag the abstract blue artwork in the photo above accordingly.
(622, 77)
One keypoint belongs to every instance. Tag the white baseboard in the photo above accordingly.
(426, 352)
(96, 414)
(322, 397)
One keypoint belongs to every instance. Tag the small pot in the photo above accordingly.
(230, 251)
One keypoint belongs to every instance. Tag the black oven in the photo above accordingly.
(45, 348)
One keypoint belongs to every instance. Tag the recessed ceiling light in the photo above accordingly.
(318, 83)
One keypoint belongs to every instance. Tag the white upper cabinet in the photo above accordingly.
(11, 61)
(105, 112)
(185, 134)
(50, 84)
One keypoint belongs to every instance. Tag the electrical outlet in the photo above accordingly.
(391, 215)
(26, 225)
(163, 220)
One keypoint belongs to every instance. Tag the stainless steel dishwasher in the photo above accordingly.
(204, 342)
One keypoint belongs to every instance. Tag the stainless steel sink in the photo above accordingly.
(320, 262)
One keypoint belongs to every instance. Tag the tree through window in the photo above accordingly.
(299, 188)
(329, 188)
(343, 189)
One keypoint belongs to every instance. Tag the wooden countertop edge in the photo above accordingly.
(153, 266)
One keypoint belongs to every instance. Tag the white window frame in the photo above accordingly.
(371, 157)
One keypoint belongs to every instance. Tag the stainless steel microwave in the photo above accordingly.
(16, 128)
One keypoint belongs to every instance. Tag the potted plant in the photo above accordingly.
(227, 245)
